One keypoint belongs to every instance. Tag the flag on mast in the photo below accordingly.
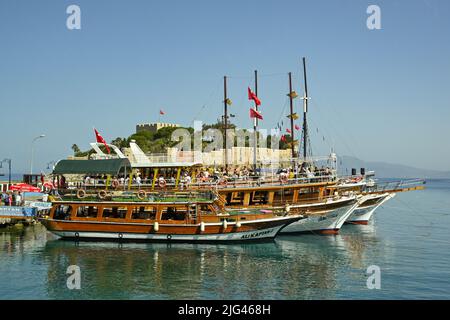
(297, 127)
(255, 114)
(100, 139)
(161, 112)
(252, 96)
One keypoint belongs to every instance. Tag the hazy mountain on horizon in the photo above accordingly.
(388, 170)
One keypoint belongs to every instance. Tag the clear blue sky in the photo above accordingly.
(380, 95)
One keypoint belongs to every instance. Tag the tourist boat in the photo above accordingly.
(169, 217)
(320, 217)
(367, 206)
(373, 194)
(323, 218)
(319, 195)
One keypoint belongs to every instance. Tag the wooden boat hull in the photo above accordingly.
(328, 221)
(367, 207)
(264, 229)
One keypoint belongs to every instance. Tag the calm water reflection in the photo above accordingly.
(290, 267)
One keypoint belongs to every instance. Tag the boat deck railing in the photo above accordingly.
(397, 186)
(242, 182)
(133, 196)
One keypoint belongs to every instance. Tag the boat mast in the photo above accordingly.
(305, 111)
(225, 122)
(255, 125)
(291, 101)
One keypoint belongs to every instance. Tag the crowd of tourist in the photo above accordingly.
(200, 176)
(11, 198)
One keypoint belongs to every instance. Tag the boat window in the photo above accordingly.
(173, 213)
(305, 190)
(235, 198)
(147, 213)
(205, 209)
(87, 212)
(259, 197)
(62, 212)
(115, 212)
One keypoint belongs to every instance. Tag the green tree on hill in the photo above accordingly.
(75, 149)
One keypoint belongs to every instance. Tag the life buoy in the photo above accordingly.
(102, 194)
(81, 194)
(162, 183)
(141, 194)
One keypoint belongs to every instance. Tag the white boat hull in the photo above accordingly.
(362, 214)
(326, 223)
(261, 234)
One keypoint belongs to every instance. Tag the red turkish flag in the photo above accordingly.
(101, 140)
(288, 131)
(252, 96)
(161, 112)
(255, 114)
(297, 127)
(283, 138)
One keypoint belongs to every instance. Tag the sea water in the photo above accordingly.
(408, 239)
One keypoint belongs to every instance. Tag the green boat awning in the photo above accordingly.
(105, 166)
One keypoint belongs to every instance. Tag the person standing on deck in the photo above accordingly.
(188, 180)
(87, 180)
(18, 199)
(5, 198)
(138, 180)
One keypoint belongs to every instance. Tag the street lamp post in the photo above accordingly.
(32, 151)
(9, 168)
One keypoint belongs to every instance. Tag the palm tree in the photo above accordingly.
(75, 149)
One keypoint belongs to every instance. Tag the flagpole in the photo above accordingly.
(305, 110)
(291, 102)
(225, 121)
(255, 125)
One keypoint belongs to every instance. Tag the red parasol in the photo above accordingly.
(24, 188)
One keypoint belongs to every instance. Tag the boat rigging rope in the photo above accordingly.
(333, 128)
(214, 93)
(262, 75)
